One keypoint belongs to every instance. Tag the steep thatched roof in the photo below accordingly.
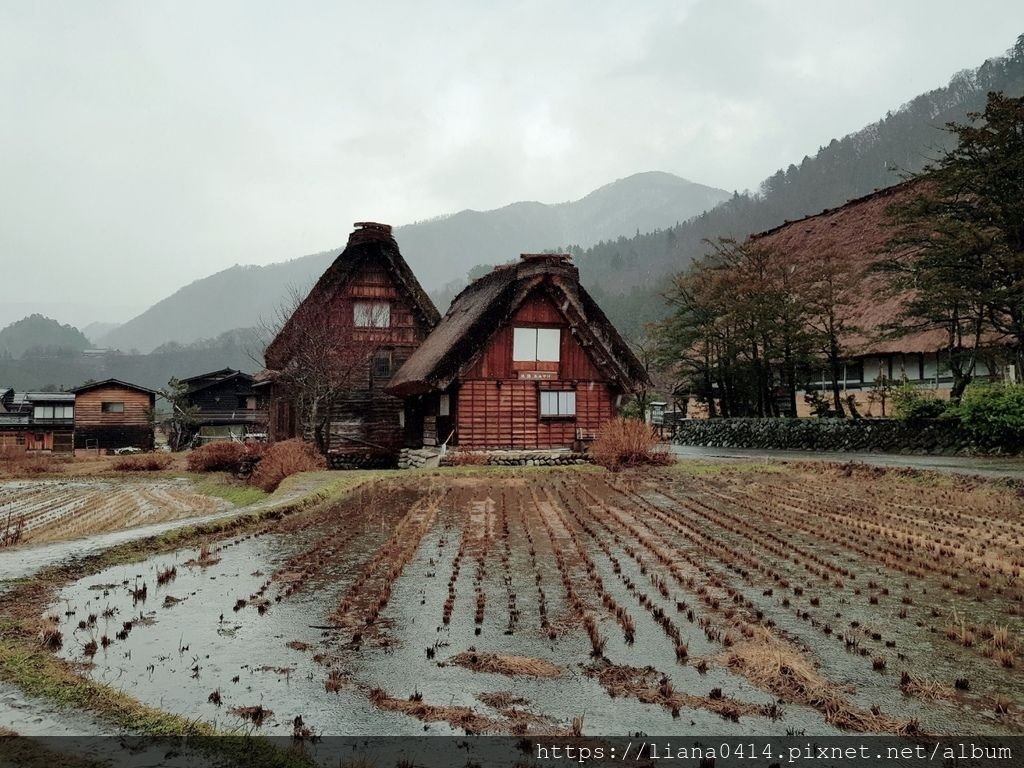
(486, 304)
(856, 233)
(370, 244)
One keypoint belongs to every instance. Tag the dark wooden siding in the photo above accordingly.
(367, 422)
(106, 431)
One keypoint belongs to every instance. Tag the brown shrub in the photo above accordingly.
(152, 462)
(284, 459)
(15, 461)
(627, 443)
(219, 456)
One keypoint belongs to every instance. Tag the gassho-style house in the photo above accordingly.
(523, 359)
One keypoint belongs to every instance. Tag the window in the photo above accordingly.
(113, 407)
(48, 412)
(372, 314)
(531, 345)
(382, 364)
(444, 405)
(557, 404)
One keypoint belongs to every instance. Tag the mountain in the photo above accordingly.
(239, 349)
(96, 330)
(37, 335)
(626, 274)
(439, 250)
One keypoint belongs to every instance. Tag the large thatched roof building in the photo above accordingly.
(361, 321)
(857, 233)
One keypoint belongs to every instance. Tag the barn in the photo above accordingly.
(113, 414)
(361, 321)
(523, 359)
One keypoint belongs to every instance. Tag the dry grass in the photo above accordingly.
(285, 459)
(647, 685)
(770, 664)
(457, 717)
(151, 462)
(628, 443)
(512, 666)
(220, 456)
(15, 461)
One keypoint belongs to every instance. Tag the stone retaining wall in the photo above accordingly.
(413, 458)
(933, 436)
(515, 458)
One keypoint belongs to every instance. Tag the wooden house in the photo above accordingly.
(523, 359)
(361, 321)
(113, 414)
(36, 421)
(228, 406)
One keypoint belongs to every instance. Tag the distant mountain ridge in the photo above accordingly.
(439, 250)
(39, 335)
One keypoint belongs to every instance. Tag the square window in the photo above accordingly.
(554, 404)
(371, 314)
(112, 407)
(531, 345)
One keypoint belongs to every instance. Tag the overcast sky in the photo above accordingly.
(144, 145)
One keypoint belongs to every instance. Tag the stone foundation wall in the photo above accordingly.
(935, 436)
(360, 461)
(413, 458)
(515, 458)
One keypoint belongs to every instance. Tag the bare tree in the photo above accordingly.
(320, 357)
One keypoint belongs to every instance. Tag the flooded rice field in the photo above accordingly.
(38, 511)
(789, 601)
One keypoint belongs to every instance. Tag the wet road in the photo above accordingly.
(969, 465)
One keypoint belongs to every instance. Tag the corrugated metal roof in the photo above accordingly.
(50, 397)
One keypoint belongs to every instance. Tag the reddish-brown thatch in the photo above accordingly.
(487, 304)
(857, 233)
(370, 244)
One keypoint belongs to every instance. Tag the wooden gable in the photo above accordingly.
(537, 310)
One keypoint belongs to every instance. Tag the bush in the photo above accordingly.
(15, 461)
(993, 414)
(627, 443)
(911, 404)
(281, 460)
(219, 456)
(152, 462)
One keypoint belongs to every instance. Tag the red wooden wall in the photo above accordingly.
(496, 409)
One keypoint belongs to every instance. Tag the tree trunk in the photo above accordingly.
(837, 399)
